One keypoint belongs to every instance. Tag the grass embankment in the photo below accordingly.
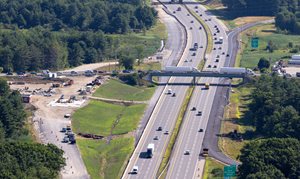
(213, 169)
(266, 33)
(150, 40)
(234, 120)
(104, 160)
(115, 89)
(175, 133)
(207, 30)
(98, 118)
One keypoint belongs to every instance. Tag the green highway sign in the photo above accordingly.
(229, 171)
(254, 42)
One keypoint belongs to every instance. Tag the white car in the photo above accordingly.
(187, 152)
(135, 170)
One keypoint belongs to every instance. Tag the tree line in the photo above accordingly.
(20, 159)
(286, 12)
(274, 111)
(111, 16)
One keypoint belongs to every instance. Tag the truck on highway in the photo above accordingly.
(206, 85)
(150, 150)
(180, 69)
(233, 70)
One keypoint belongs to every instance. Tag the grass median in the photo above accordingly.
(175, 133)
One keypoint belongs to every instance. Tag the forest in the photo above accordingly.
(43, 34)
(19, 158)
(274, 111)
(286, 12)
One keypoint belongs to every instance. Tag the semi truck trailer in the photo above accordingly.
(232, 70)
(180, 69)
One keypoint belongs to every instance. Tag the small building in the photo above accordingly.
(52, 75)
(26, 98)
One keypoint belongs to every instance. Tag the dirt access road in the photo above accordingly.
(48, 121)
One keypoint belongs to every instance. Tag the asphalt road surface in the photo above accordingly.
(167, 108)
(183, 165)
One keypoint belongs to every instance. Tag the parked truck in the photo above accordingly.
(233, 70)
(221, 39)
(180, 69)
(150, 150)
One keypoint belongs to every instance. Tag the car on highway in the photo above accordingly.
(191, 60)
(200, 28)
(192, 21)
(200, 130)
(191, 28)
(200, 14)
(209, 66)
(227, 55)
(218, 56)
(155, 138)
(174, 12)
(166, 132)
(215, 66)
(186, 152)
(185, 60)
(174, 95)
(215, 26)
(220, 48)
(199, 113)
(194, 54)
(215, 38)
(188, 14)
(196, 7)
(205, 20)
(218, 31)
(223, 53)
(135, 170)
(209, 19)
(215, 34)
(194, 108)
(217, 60)
(159, 128)
(197, 11)
(201, 46)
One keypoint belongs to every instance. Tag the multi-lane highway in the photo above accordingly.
(182, 164)
(167, 109)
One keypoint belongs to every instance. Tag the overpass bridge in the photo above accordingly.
(195, 74)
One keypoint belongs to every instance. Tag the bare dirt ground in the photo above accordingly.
(250, 19)
(92, 66)
(48, 120)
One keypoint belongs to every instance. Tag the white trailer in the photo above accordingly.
(296, 57)
(232, 70)
(150, 150)
(221, 39)
(179, 69)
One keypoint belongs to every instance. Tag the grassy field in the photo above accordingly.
(266, 33)
(142, 66)
(115, 89)
(213, 169)
(235, 120)
(150, 40)
(104, 160)
(98, 118)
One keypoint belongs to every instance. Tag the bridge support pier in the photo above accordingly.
(194, 80)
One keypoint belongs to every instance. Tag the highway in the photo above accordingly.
(185, 166)
(167, 108)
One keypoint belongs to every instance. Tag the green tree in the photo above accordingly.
(127, 62)
(263, 63)
(140, 50)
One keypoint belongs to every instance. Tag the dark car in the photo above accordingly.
(174, 95)
(200, 28)
(9, 73)
(215, 66)
(217, 60)
(159, 128)
(200, 130)
(209, 66)
(199, 113)
(227, 55)
(194, 54)
(193, 109)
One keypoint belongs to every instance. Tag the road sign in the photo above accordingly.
(254, 42)
(229, 171)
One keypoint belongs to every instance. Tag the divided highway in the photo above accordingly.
(168, 107)
(182, 164)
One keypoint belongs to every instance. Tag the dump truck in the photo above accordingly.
(150, 150)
